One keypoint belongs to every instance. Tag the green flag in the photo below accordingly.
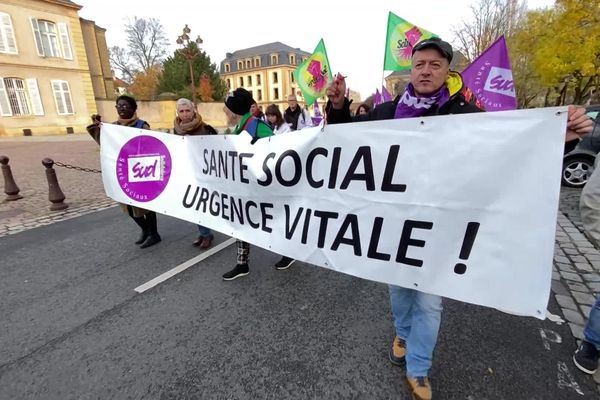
(401, 37)
(314, 75)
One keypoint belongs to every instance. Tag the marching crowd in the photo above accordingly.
(433, 90)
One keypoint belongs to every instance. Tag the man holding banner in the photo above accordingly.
(433, 90)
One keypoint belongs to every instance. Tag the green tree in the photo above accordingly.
(175, 77)
(566, 50)
(530, 89)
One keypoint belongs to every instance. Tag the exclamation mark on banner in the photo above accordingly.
(465, 250)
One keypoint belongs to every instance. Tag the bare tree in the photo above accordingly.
(147, 42)
(146, 47)
(489, 20)
(120, 61)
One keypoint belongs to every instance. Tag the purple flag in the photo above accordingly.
(386, 96)
(377, 99)
(490, 78)
(318, 116)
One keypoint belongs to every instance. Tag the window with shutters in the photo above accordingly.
(46, 38)
(8, 44)
(258, 80)
(62, 97)
(275, 77)
(17, 96)
(65, 41)
(20, 97)
(249, 80)
(52, 40)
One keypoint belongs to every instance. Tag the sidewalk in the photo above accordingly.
(84, 191)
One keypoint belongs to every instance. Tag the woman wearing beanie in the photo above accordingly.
(237, 109)
(126, 109)
(189, 122)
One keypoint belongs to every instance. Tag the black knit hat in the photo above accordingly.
(443, 47)
(239, 102)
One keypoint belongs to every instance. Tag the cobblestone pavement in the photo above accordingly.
(576, 274)
(84, 191)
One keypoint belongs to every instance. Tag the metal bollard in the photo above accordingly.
(55, 194)
(10, 187)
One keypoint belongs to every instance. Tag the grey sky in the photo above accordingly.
(354, 32)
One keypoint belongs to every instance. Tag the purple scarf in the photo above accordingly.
(410, 105)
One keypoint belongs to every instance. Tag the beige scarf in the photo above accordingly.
(188, 128)
(128, 122)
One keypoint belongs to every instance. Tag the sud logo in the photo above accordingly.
(145, 168)
(500, 80)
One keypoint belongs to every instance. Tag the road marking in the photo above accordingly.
(565, 378)
(182, 267)
(549, 336)
(554, 318)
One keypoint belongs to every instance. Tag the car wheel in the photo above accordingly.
(576, 171)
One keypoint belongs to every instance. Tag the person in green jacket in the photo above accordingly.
(237, 109)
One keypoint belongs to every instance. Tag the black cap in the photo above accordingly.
(444, 47)
(239, 102)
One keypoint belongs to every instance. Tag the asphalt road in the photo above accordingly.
(72, 327)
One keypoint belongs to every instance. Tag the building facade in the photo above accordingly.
(266, 71)
(53, 67)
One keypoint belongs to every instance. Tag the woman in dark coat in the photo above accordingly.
(126, 109)
(189, 122)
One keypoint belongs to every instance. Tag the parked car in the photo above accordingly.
(579, 157)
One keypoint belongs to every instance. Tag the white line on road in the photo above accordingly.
(554, 318)
(182, 267)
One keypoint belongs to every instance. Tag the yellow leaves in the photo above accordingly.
(562, 41)
(206, 90)
(145, 83)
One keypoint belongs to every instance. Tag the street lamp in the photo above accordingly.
(189, 54)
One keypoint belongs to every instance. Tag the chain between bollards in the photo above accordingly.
(77, 168)
(55, 194)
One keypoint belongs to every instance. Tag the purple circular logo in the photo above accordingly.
(143, 168)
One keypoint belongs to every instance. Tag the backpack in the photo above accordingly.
(251, 126)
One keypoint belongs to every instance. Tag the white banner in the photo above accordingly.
(461, 206)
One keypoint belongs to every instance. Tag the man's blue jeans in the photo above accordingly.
(591, 332)
(417, 317)
(204, 231)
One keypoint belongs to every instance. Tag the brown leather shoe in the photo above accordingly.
(419, 387)
(206, 242)
(398, 352)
